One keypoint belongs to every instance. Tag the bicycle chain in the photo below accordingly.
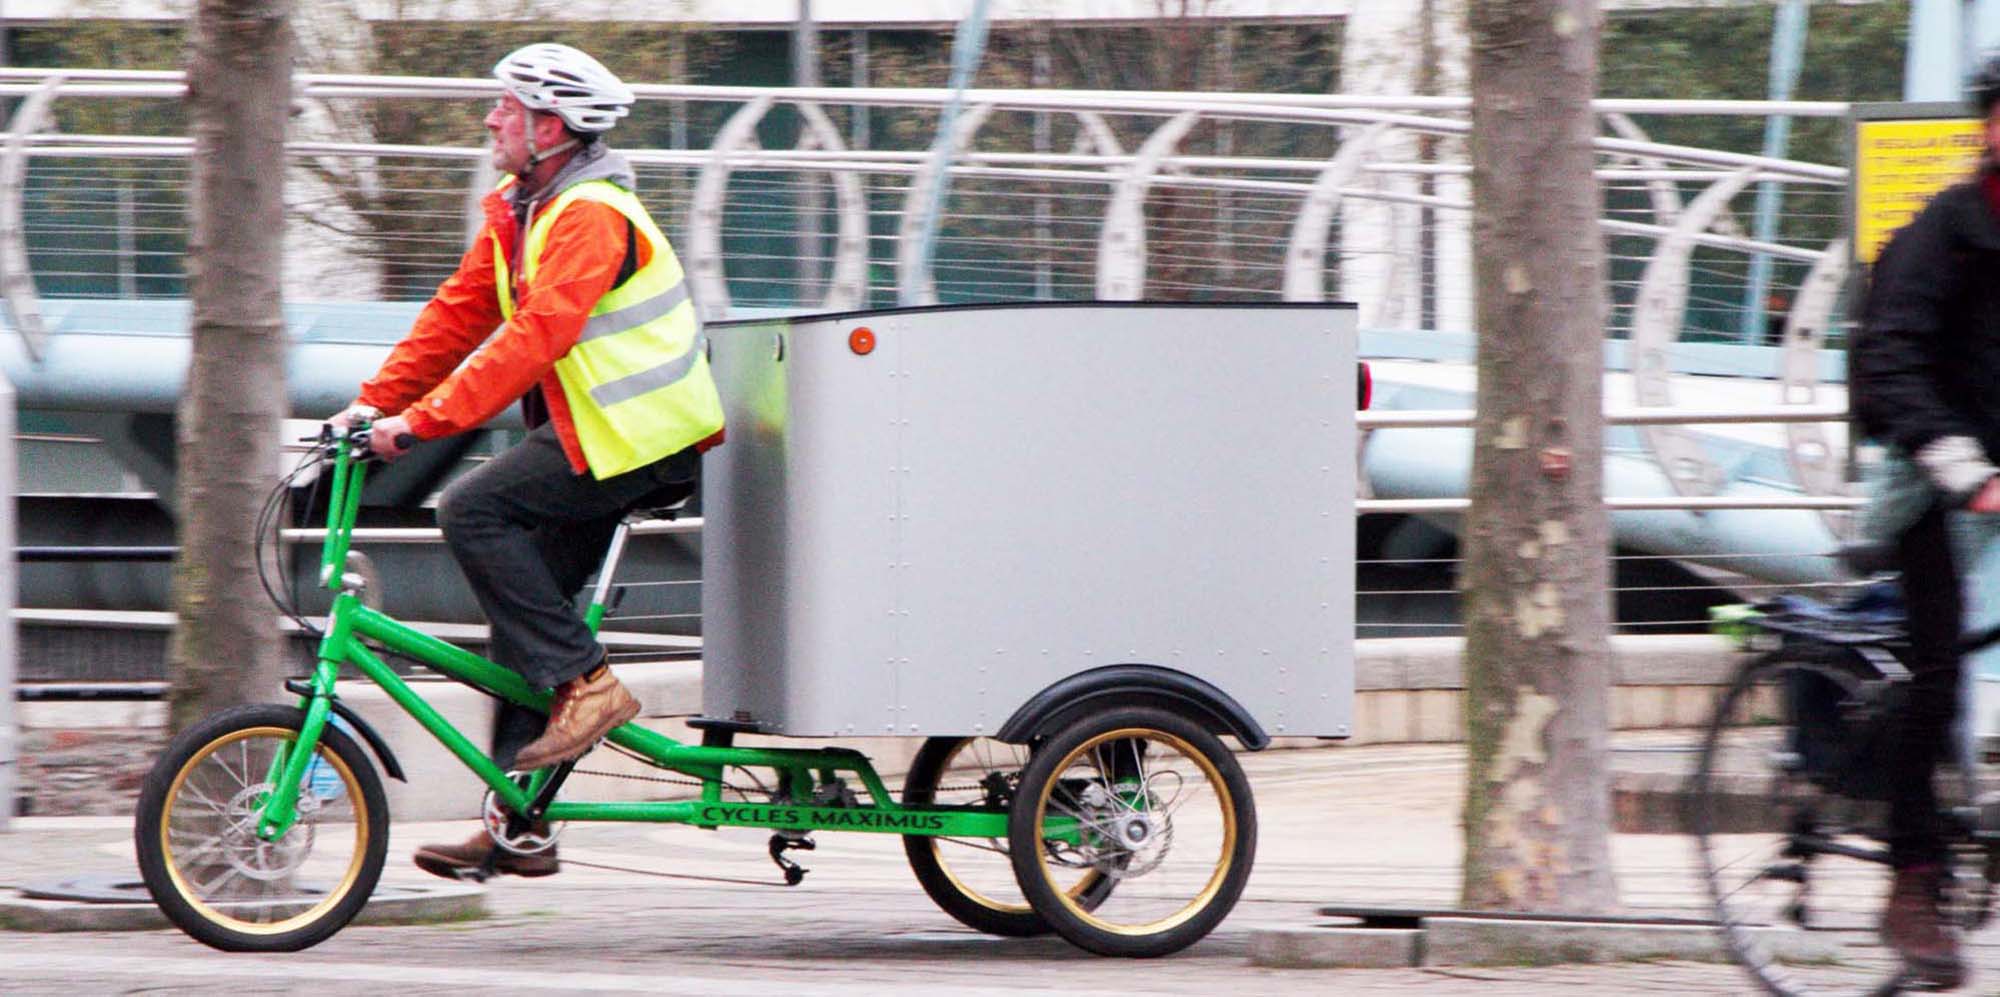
(669, 780)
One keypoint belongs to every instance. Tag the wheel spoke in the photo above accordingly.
(204, 798)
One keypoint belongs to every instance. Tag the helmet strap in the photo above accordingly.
(537, 156)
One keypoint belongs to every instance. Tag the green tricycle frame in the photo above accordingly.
(1075, 815)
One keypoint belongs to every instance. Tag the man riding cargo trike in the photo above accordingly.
(1072, 546)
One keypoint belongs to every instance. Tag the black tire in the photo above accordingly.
(1083, 771)
(1788, 821)
(262, 897)
(978, 891)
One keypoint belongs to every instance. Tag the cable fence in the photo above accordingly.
(1057, 195)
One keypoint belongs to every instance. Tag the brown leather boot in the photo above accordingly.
(585, 709)
(1914, 925)
(465, 859)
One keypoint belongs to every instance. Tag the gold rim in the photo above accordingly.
(313, 913)
(1225, 861)
(969, 892)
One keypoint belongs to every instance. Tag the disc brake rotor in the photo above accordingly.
(266, 861)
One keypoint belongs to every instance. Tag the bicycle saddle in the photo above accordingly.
(664, 502)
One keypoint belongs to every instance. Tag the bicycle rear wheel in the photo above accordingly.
(973, 879)
(211, 874)
(1787, 817)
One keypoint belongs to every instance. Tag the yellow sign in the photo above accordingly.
(1898, 165)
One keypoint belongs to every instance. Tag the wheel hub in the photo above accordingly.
(265, 861)
(1135, 830)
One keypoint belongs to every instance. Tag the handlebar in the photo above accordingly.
(356, 440)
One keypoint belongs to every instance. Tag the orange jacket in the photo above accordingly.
(427, 377)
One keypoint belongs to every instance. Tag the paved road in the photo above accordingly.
(1370, 825)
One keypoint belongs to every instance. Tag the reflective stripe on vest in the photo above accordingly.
(637, 380)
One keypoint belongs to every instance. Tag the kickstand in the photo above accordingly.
(780, 844)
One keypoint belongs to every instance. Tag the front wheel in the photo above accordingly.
(215, 878)
(1149, 799)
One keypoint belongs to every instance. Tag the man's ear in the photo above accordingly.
(549, 131)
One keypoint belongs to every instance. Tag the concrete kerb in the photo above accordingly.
(1475, 941)
(426, 904)
(1336, 947)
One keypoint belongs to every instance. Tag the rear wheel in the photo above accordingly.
(1788, 819)
(211, 874)
(972, 879)
(1149, 799)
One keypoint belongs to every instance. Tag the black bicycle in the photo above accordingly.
(1787, 798)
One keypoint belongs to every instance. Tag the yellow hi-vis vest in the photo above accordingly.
(637, 380)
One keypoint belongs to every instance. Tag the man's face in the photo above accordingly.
(508, 123)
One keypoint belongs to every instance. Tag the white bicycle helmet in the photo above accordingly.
(567, 83)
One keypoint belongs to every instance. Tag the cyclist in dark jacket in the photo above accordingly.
(1925, 379)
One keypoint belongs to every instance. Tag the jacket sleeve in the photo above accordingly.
(461, 314)
(579, 262)
(1895, 358)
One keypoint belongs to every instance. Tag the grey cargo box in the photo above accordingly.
(918, 538)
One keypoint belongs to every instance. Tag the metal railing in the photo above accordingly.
(1058, 193)
(808, 198)
(1796, 415)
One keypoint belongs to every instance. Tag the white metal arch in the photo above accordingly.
(704, 263)
(1305, 257)
(1812, 458)
(1121, 243)
(1666, 199)
(17, 279)
(1095, 131)
(485, 177)
(1656, 325)
(913, 273)
(848, 288)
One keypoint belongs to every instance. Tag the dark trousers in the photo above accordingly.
(1931, 588)
(528, 532)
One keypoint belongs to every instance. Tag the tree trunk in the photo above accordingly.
(1536, 593)
(225, 649)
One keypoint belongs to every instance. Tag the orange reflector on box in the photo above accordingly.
(861, 341)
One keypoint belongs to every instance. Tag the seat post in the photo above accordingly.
(602, 595)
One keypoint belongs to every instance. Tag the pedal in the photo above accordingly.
(780, 844)
(484, 870)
